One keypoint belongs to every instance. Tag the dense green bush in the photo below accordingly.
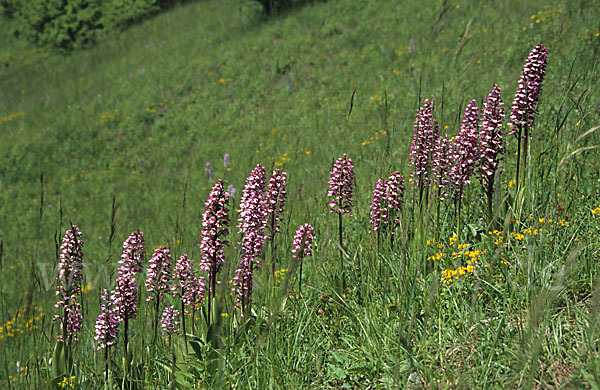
(59, 23)
(69, 24)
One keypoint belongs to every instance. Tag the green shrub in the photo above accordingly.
(72, 24)
(64, 24)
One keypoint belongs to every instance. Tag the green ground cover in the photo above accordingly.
(137, 117)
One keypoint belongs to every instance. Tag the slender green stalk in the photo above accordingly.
(340, 229)
(518, 160)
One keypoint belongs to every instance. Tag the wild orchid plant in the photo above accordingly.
(215, 222)
(158, 281)
(251, 228)
(491, 144)
(524, 107)
(341, 187)
(189, 288)
(422, 148)
(386, 205)
(275, 196)
(68, 286)
(302, 246)
(465, 154)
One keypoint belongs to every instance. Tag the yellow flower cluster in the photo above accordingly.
(280, 273)
(375, 137)
(541, 17)
(10, 117)
(473, 256)
(282, 160)
(451, 275)
(110, 117)
(596, 211)
(550, 221)
(68, 382)
(437, 256)
(498, 237)
(18, 325)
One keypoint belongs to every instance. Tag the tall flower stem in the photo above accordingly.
(155, 322)
(340, 230)
(458, 205)
(183, 326)
(125, 349)
(518, 162)
(525, 152)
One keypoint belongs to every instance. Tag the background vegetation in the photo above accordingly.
(137, 116)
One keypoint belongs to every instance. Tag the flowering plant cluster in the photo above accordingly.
(465, 150)
(341, 186)
(490, 133)
(186, 285)
(526, 98)
(159, 277)
(442, 167)
(68, 284)
(302, 244)
(124, 296)
(215, 222)
(107, 324)
(529, 90)
(251, 228)
(491, 143)
(120, 305)
(386, 203)
(169, 321)
(275, 196)
(426, 132)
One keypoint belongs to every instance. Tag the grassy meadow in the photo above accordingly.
(117, 138)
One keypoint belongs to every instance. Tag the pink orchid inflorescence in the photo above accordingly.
(215, 222)
(422, 148)
(169, 321)
(252, 204)
(190, 288)
(251, 227)
(341, 186)
(68, 284)
(528, 92)
(303, 240)
(302, 246)
(386, 204)
(275, 197)
(465, 150)
(124, 296)
(441, 166)
(490, 134)
(107, 324)
(159, 277)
